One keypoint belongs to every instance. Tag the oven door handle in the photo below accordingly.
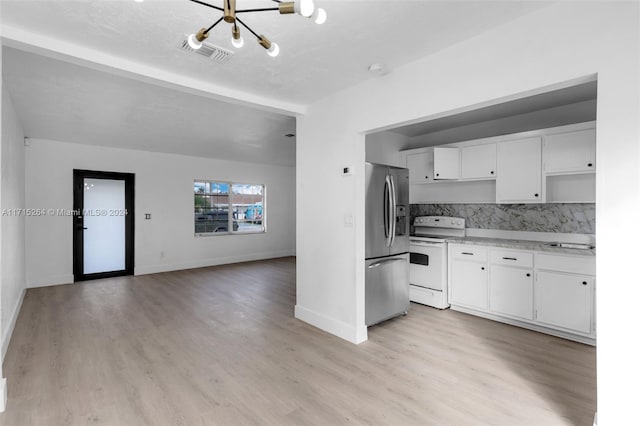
(425, 243)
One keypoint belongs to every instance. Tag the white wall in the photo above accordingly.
(385, 147)
(164, 188)
(562, 42)
(13, 227)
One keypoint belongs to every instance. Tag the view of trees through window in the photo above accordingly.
(222, 207)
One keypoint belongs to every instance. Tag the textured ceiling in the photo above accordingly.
(315, 60)
(552, 99)
(96, 104)
(61, 101)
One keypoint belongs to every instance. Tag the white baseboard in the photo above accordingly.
(154, 269)
(3, 394)
(202, 263)
(558, 333)
(6, 338)
(49, 281)
(337, 328)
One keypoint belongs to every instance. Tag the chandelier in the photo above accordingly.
(305, 8)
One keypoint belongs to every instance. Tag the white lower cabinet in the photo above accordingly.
(564, 300)
(542, 291)
(469, 284)
(511, 291)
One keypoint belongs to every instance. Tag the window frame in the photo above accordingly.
(230, 203)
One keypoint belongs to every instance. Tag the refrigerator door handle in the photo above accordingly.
(388, 203)
(394, 213)
(384, 262)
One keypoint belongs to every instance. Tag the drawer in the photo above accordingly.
(585, 265)
(512, 258)
(469, 252)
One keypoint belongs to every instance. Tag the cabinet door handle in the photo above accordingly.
(528, 274)
(491, 171)
(590, 165)
(584, 283)
(482, 268)
(467, 253)
(535, 195)
(437, 174)
(426, 177)
(509, 258)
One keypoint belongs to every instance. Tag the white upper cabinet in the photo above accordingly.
(478, 161)
(520, 177)
(570, 152)
(420, 167)
(446, 163)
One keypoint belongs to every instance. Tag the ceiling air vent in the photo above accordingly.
(215, 53)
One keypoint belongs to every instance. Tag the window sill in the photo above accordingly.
(217, 234)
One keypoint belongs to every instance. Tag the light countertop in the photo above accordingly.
(521, 245)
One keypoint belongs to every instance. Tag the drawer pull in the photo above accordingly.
(509, 258)
(528, 274)
(467, 253)
(584, 283)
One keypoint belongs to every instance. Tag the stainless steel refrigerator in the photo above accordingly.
(387, 242)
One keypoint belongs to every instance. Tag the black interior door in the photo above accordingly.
(103, 226)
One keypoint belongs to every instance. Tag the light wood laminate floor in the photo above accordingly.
(220, 345)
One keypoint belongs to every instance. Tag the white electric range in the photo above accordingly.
(428, 254)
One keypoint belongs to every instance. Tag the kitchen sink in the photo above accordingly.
(578, 246)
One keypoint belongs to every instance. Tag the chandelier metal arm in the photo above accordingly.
(214, 24)
(208, 5)
(305, 8)
(264, 9)
(247, 27)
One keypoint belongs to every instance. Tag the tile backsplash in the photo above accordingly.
(574, 218)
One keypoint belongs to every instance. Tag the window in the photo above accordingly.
(223, 207)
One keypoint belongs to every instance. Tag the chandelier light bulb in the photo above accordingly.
(304, 7)
(237, 43)
(236, 37)
(193, 42)
(274, 50)
(319, 16)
